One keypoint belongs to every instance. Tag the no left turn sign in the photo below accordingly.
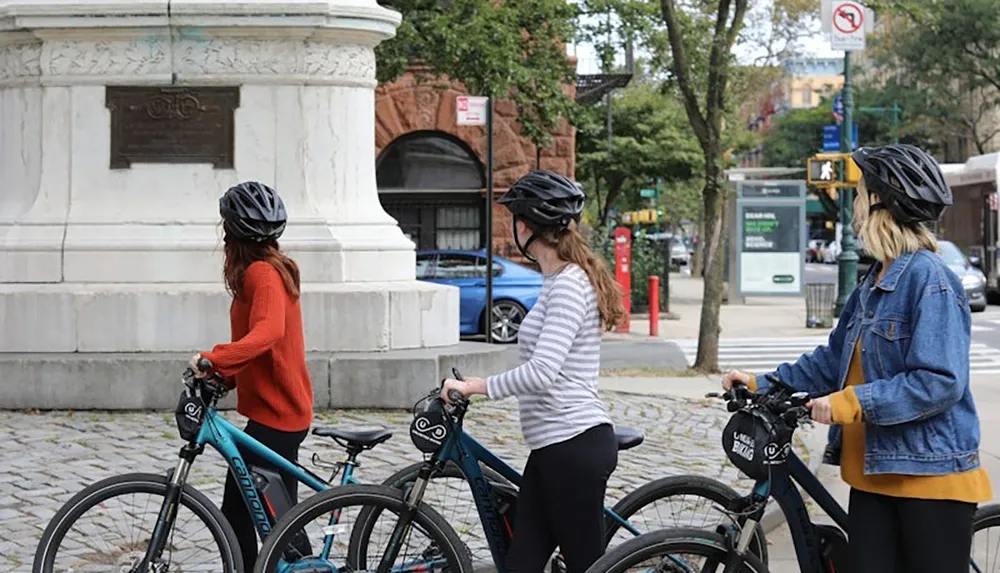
(847, 31)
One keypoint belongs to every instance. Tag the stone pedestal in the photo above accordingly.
(97, 258)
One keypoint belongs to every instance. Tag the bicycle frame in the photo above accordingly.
(467, 453)
(781, 487)
(226, 439)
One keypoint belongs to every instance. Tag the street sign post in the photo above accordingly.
(475, 110)
(847, 31)
(771, 237)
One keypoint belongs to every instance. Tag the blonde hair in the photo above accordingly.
(884, 238)
(571, 246)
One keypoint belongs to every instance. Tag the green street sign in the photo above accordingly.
(647, 193)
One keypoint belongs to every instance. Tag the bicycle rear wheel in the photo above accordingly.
(986, 539)
(673, 551)
(690, 501)
(113, 520)
(330, 517)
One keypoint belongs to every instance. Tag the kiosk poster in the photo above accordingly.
(771, 253)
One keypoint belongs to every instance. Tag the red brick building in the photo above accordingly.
(431, 172)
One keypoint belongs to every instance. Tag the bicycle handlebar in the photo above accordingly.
(215, 383)
(780, 399)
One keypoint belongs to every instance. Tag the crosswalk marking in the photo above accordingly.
(764, 354)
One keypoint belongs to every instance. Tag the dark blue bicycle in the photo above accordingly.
(757, 441)
(390, 529)
(153, 523)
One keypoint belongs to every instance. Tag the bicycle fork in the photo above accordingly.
(168, 511)
(399, 533)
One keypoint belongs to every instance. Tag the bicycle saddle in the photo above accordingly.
(628, 438)
(366, 438)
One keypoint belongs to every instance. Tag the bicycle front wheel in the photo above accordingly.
(678, 501)
(108, 527)
(425, 543)
(674, 551)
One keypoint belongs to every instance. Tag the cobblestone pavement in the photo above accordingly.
(50, 456)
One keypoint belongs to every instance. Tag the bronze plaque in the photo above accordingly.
(172, 125)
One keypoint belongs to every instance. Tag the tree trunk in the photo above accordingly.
(699, 250)
(714, 196)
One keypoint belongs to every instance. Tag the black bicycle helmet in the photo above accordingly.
(253, 211)
(908, 181)
(546, 199)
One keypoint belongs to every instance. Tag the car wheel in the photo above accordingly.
(978, 306)
(507, 317)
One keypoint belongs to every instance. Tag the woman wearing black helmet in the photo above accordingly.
(266, 360)
(563, 419)
(893, 380)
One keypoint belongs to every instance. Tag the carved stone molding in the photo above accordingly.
(117, 57)
(320, 61)
(20, 61)
(191, 58)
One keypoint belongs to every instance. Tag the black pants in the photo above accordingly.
(905, 535)
(561, 502)
(286, 445)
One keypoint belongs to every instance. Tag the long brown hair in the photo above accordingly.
(572, 247)
(240, 254)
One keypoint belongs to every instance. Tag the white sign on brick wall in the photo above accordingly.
(471, 110)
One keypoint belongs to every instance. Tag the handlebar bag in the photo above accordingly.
(755, 440)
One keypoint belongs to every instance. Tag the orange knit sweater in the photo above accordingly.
(267, 357)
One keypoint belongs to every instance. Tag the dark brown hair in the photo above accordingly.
(572, 247)
(241, 254)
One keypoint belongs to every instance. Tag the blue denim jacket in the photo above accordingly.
(918, 410)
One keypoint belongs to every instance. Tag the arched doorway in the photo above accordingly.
(432, 183)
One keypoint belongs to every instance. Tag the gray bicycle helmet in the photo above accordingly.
(546, 199)
(907, 180)
(252, 211)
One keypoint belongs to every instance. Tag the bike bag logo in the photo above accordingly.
(776, 453)
(743, 446)
(190, 414)
(429, 430)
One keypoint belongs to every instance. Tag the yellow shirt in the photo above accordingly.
(972, 486)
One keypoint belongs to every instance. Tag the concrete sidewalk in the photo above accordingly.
(759, 317)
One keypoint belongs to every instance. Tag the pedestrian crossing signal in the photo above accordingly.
(824, 170)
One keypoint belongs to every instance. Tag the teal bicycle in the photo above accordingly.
(149, 523)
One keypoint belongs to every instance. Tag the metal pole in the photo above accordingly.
(848, 259)
(489, 219)
(895, 122)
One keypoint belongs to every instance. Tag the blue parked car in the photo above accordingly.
(515, 289)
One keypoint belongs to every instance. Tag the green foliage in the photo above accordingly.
(651, 141)
(510, 50)
(647, 261)
(940, 61)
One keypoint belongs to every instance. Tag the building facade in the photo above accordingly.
(431, 172)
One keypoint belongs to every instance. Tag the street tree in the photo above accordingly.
(940, 57)
(507, 50)
(701, 41)
(651, 142)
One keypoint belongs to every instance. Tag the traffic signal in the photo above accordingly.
(824, 170)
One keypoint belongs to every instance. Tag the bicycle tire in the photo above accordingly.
(683, 485)
(369, 517)
(154, 484)
(450, 470)
(355, 495)
(685, 541)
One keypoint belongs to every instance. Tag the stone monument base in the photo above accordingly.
(152, 381)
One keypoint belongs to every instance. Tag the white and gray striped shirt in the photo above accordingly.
(560, 348)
